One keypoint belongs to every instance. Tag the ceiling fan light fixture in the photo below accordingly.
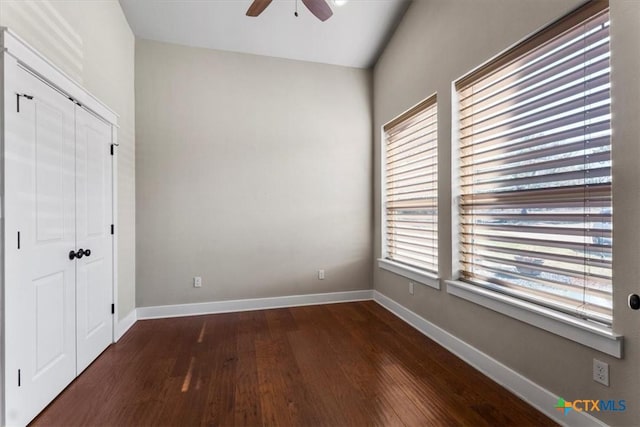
(340, 2)
(319, 8)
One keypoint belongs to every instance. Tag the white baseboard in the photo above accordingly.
(180, 310)
(125, 324)
(535, 395)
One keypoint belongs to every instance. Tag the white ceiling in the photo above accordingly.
(353, 36)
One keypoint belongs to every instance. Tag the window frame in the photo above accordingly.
(415, 274)
(600, 337)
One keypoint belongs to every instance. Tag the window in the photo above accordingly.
(411, 188)
(535, 169)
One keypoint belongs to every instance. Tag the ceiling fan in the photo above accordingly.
(319, 8)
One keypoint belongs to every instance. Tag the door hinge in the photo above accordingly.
(19, 378)
(113, 229)
(112, 147)
(113, 308)
(18, 96)
(18, 240)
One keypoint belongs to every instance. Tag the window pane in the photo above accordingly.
(535, 171)
(411, 188)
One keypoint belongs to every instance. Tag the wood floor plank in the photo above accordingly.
(248, 410)
(218, 367)
(341, 364)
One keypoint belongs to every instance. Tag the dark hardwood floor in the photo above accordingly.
(333, 365)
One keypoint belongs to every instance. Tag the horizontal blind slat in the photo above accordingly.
(600, 259)
(541, 110)
(425, 159)
(554, 74)
(558, 123)
(412, 134)
(423, 248)
(573, 160)
(573, 134)
(519, 153)
(426, 202)
(419, 149)
(538, 265)
(424, 169)
(423, 265)
(549, 294)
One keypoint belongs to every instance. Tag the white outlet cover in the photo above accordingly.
(601, 372)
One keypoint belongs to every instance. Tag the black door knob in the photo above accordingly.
(634, 302)
(78, 254)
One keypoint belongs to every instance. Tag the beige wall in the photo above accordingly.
(439, 41)
(91, 41)
(252, 172)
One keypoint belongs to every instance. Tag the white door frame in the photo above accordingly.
(16, 52)
(114, 221)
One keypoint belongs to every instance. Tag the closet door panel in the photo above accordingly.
(93, 213)
(40, 277)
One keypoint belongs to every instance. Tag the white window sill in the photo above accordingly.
(415, 274)
(586, 333)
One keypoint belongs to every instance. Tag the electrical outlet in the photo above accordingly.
(410, 288)
(600, 372)
(197, 282)
(320, 274)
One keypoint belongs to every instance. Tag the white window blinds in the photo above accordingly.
(535, 168)
(411, 183)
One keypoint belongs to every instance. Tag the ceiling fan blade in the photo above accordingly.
(257, 7)
(319, 8)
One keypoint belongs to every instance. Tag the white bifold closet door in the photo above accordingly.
(94, 291)
(58, 199)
